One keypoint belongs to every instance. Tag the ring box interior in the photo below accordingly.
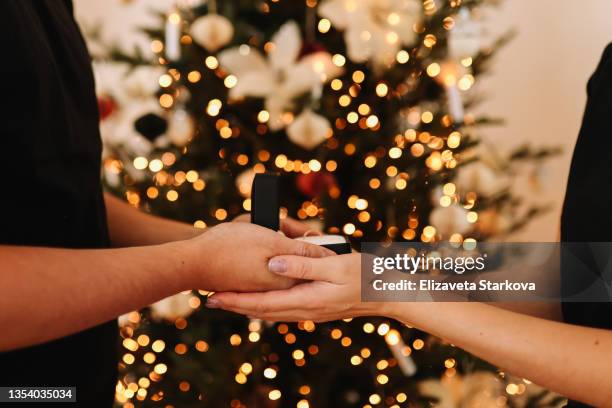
(265, 208)
(337, 243)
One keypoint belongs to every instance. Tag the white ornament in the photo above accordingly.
(280, 77)
(119, 128)
(162, 142)
(455, 103)
(172, 45)
(374, 29)
(450, 73)
(396, 345)
(479, 178)
(173, 307)
(138, 145)
(212, 31)
(308, 130)
(244, 182)
(450, 220)
(464, 40)
(181, 127)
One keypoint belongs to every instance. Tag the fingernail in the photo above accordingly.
(212, 303)
(277, 265)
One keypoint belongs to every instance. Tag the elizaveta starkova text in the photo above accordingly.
(434, 285)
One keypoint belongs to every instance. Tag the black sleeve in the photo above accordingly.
(587, 209)
(588, 200)
(69, 6)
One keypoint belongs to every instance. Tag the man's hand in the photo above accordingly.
(234, 256)
(334, 292)
(289, 226)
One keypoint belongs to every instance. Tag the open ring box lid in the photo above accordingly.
(265, 206)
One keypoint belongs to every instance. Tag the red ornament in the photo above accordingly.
(106, 106)
(311, 47)
(314, 184)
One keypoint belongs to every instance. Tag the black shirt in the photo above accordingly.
(50, 193)
(588, 200)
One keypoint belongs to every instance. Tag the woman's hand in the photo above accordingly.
(523, 345)
(333, 291)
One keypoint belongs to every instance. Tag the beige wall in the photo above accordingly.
(537, 84)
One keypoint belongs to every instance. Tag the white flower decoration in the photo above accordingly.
(464, 40)
(480, 389)
(450, 220)
(280, 77)
(374, 29)
(181, 126)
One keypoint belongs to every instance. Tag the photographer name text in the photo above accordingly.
(434, 285)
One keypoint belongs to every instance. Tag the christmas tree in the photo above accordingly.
(364, 109)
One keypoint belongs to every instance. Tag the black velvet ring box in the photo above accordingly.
(265, 208)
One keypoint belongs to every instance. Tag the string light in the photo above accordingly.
(211, 62)
(165, 81)
(324, 25)
(194, 76)
(382, 89)
(402, 56)
(230, 81)
(339, 60)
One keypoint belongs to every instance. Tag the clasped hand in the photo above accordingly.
(327, 288)
(264, 274)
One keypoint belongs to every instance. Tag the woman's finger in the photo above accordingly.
(294, 315)
(261, 302)
(294, 228)
(299, 267)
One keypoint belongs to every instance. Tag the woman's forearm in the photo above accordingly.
(544, 310)
(130, 227)
(571, 360)
(47, 293)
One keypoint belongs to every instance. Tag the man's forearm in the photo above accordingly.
(130, 227)
(47, 293)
